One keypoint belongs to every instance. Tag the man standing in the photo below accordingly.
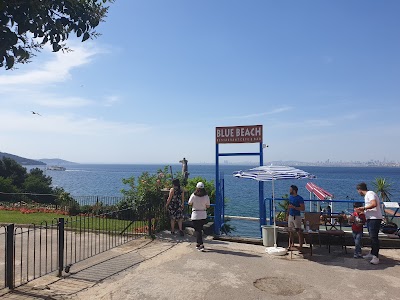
(373, 214)
(296, 205)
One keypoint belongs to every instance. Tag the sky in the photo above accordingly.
(322, 77)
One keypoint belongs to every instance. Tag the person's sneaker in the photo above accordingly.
(368, 256)
(374, 260)
(355, 255)
(181, 233)
(197, 247)
(201, 248)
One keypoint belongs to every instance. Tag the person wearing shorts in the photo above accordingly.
(295, 207)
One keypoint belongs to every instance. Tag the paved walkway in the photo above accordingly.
(171, 268)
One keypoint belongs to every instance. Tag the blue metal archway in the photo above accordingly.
(219, 211)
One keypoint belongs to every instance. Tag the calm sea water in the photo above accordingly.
(242, 194)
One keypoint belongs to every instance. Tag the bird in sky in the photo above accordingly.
(35, 113)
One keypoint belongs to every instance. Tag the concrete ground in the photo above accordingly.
(171, 268)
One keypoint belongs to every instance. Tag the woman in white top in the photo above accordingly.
(199, 201)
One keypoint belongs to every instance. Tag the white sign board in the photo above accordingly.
(391, 204)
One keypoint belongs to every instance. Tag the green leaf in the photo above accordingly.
(85, 36)
(45, 40)
(10, 62)
(50, 21)
(56, 47)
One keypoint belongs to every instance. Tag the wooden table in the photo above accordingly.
(333, 221)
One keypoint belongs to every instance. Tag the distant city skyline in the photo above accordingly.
(324, 163)
(321, 77)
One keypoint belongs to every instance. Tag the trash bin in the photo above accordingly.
(268, 235)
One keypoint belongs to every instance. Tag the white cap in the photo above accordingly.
(200, 185)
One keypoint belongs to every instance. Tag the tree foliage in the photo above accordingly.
(16, 184)
(38, 173)
(9, 168)
(383, 188)
(27, 25)
(6, 188)
(37, 182)
(64, 200)
(149, 191)
(146, 192)
(283, 207)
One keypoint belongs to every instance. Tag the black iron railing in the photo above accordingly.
(29, 252)
(3, 273)
(85, 237)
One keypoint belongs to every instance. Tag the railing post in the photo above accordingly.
(60, 246)
(10, 256)
(271, 212)
(149, 219)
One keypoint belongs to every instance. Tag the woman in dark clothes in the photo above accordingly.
(175, 203)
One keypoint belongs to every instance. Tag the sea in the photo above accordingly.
(241, 194)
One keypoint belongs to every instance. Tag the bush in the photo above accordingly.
(145, 197)
(65, 201)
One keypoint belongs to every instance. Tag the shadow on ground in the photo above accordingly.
(339, 258)
(228, 252)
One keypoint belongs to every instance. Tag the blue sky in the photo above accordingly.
(322, 77)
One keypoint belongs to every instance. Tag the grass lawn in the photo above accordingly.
(103, 224)
(83, 223)
(16, 217)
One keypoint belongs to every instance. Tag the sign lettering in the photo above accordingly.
(239, 134)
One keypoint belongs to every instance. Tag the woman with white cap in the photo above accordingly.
(199, 201)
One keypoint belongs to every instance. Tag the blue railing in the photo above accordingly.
(337, 207)
(311, 205)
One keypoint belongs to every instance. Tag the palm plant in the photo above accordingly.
(283, 205)
(383, 189)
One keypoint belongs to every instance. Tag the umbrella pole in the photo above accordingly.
(273, 204)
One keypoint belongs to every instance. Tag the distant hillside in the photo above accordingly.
(56, 161)
(21, 160)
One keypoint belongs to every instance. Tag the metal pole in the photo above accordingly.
(223, 200)
(60, 246)
(261, 201)
(149, 219)
(274, 213)
(10, 257)
(217, 212)
(271, 212)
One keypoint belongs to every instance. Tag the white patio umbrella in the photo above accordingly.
(272, 173)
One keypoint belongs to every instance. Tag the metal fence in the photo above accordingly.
(29, 252)
(3, 259)
(336, 206)
(89, 236)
